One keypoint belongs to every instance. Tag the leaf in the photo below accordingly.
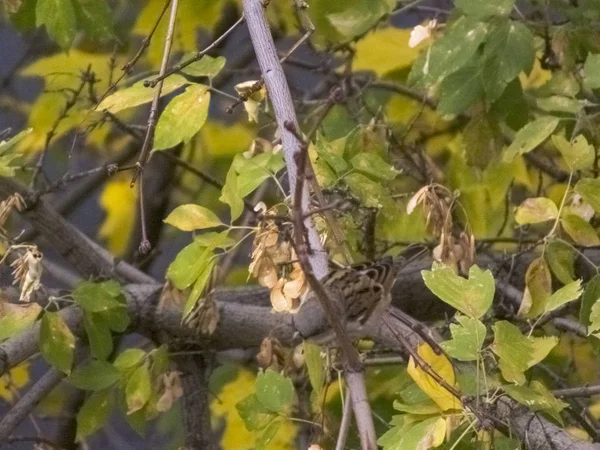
(254, 413)
(425, 435)
(460, 89)
(97, 297)
(536, 210)
(192, 217)
(215, 239)
(189, 265)
(537, 398)
(561, 258)
(594, 319)
(578, 154)
(98, 334)
(591, 70)
(373, 165)
(589, 189)
(57, 343)
(182, 118)
(591, 295)
(8, 156)
(332, 152)
(58, 16)
(118, 200)
(128, 359)
(94, 376)
(117, 319)
(267, 435)
(207, 66)
(518, 353)
(509, 47)
(564, 295)
(274, 391)
(472, 297)
(371, 193)
(137, 94)
(467, 339)
(94, 17)
(93, 414)
(357, 17)
(314, 365)
(138, 389)
(538, 288)
(198, 288)
(579, 230)
(530, 136)
(443, 367)
(17, 318)
(558, 103)
(230, 196)
(483, 8)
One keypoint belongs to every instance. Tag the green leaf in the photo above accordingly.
(314, 365)
(274, 391)
(57, 343)
(374, 165)
(332, 152)
(484, 8)
(94, 413)
(517, 352)
(509, 48)
(254, 414)
(579, 230)
(128, 359)
(17, 319)
(99, 336)
(192, 217)
(467, 339)
(7, 157)
(138, 389)
(137, 94)
(117, 319)
(230, 196)
(207, 66)
(591, 70)
(558, 103)
(189, 265)
(591, 295)
(472, 297)
(357, 17)
(199, 285)
(536, 210)
(564, 295)
(267, 435)
(215, 239)
(460, 89)
(578, 154)
(537, 398)
(94, 376)
(97, 297)
(594, 319)
(589, 189)
(58, 16)
(482, 140)
(182, 118)
(94, 17)
(561, 258)
(371, 193)
(427, 434)
(530, 136)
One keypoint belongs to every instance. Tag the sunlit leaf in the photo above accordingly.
(207, 66)
(428, 384)
(558, 103)
(424, 435)
(94, 413)
(17, 318)
(192, 217)
(229, 194)
(183, 117)
(57, 343)
(138, 389)
(530, 136)
(215, 239)
(467, 339)
(564, 295)
(94, 376)
(188, 265)
(578, 154)
(199, 285)
(375, 166)
(537, 398)
(535, 210)
(472, 297)
(129, 358)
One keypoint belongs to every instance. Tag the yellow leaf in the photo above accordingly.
(191, 15)
(440, 365)
(385, 50)
(119, 202)
(226, 140)
(537, 77)
(14, 380)
(235, 435)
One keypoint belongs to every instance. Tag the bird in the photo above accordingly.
(362, 292)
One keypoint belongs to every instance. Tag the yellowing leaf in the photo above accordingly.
(385, 50)
(16, 378)
(118, 200)
(578, 154)
(579, 230)
(440, 365)
(530, 136)
(535, 210)
(538, 287)
(192, 217)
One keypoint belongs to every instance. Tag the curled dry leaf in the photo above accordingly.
(579, 207)
(421, 32)
(315, 447)
(252, 92)
(14, 201)
(28, 272)
(170, 386)
(271, 354)
(259, 145)
(205, 317)
(171, 297)
(279, 301)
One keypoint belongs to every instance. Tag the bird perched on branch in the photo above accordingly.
(361, 293)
